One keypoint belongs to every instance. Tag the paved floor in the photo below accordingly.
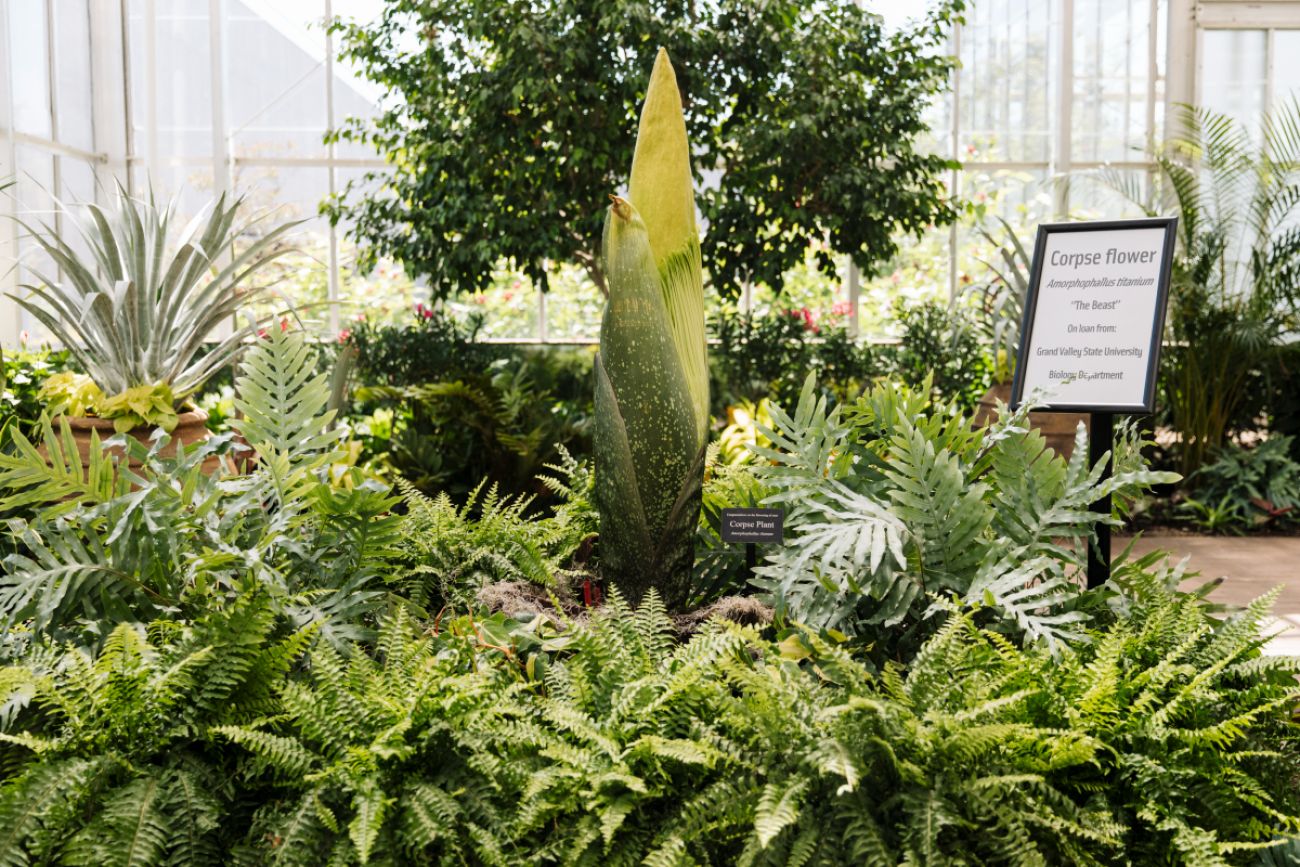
(1250, 566)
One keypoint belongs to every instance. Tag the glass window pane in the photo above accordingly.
(300, 278)
(137, 82)
(1008, 81)
(1234, 73)
(574, 305)
(190, 185)
(183, 82)
(77, 179)
(29, 65)
(1112, 56)
(384, 293)
(34, 206)
(1111, 199)
(275, 78)
(72, 56)
(1286, 66)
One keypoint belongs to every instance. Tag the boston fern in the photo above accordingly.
(1165, 739)
(104, 757)
(894, 499)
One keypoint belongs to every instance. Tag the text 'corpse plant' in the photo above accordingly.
(651, 376)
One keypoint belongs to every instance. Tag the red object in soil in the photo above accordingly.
(592, 594)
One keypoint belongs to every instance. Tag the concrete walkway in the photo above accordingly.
(1250, 566)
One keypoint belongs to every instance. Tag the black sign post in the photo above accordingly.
(1090, 339)
(1101, 441)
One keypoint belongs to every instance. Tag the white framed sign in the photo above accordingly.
(1095, 315)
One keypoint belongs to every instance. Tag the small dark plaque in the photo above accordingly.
(752, 525)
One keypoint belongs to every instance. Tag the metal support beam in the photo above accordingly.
(1061, 165)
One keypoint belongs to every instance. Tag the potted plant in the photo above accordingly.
(135, 306)
(1001, 308)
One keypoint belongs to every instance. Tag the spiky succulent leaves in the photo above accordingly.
(661, 190)
(131, 311)
(647, 452)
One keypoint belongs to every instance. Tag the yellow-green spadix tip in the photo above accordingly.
(660, 185)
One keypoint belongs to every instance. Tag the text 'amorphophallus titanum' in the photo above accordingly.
(652, 385)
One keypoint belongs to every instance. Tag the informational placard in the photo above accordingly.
(1094, 315)
(752, 525)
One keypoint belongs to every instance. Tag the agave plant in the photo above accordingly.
(135, 310)
(652, 387)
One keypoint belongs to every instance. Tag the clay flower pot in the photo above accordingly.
(1056, 427)
(190, 428)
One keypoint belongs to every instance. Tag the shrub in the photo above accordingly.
(1247, 488)
(462, 411)
(939, 346)
(769, 354)
(113, 544)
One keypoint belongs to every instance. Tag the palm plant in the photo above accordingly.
(136, 308)
(1235, 294)
(1000, 303)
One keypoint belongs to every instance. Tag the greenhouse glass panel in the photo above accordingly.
(183, 84)
(1286, 67)
(73, 90)
(574, 305)
(275, 78)
(1007, 81)
(1234, 73)
(29, 68)
(1112, 61)
(34, 205)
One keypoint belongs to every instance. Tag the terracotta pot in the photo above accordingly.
(191, 427)
(1056, 427)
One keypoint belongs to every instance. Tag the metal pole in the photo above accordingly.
(1101, 442)
(1065, 104)
(331, 152)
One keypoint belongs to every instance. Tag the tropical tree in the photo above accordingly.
(509, 122)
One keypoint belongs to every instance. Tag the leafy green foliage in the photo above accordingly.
(1164, 739)
(459, 411)
(1249, 487)
(106, 758)
(453, 551)
(502, 84)
(1000, 303)
(939, 345)
(22, 374)
(896, 499)
(135, 307)
(768, 355)
(134, 545)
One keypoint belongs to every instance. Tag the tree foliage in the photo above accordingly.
(510, 122)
